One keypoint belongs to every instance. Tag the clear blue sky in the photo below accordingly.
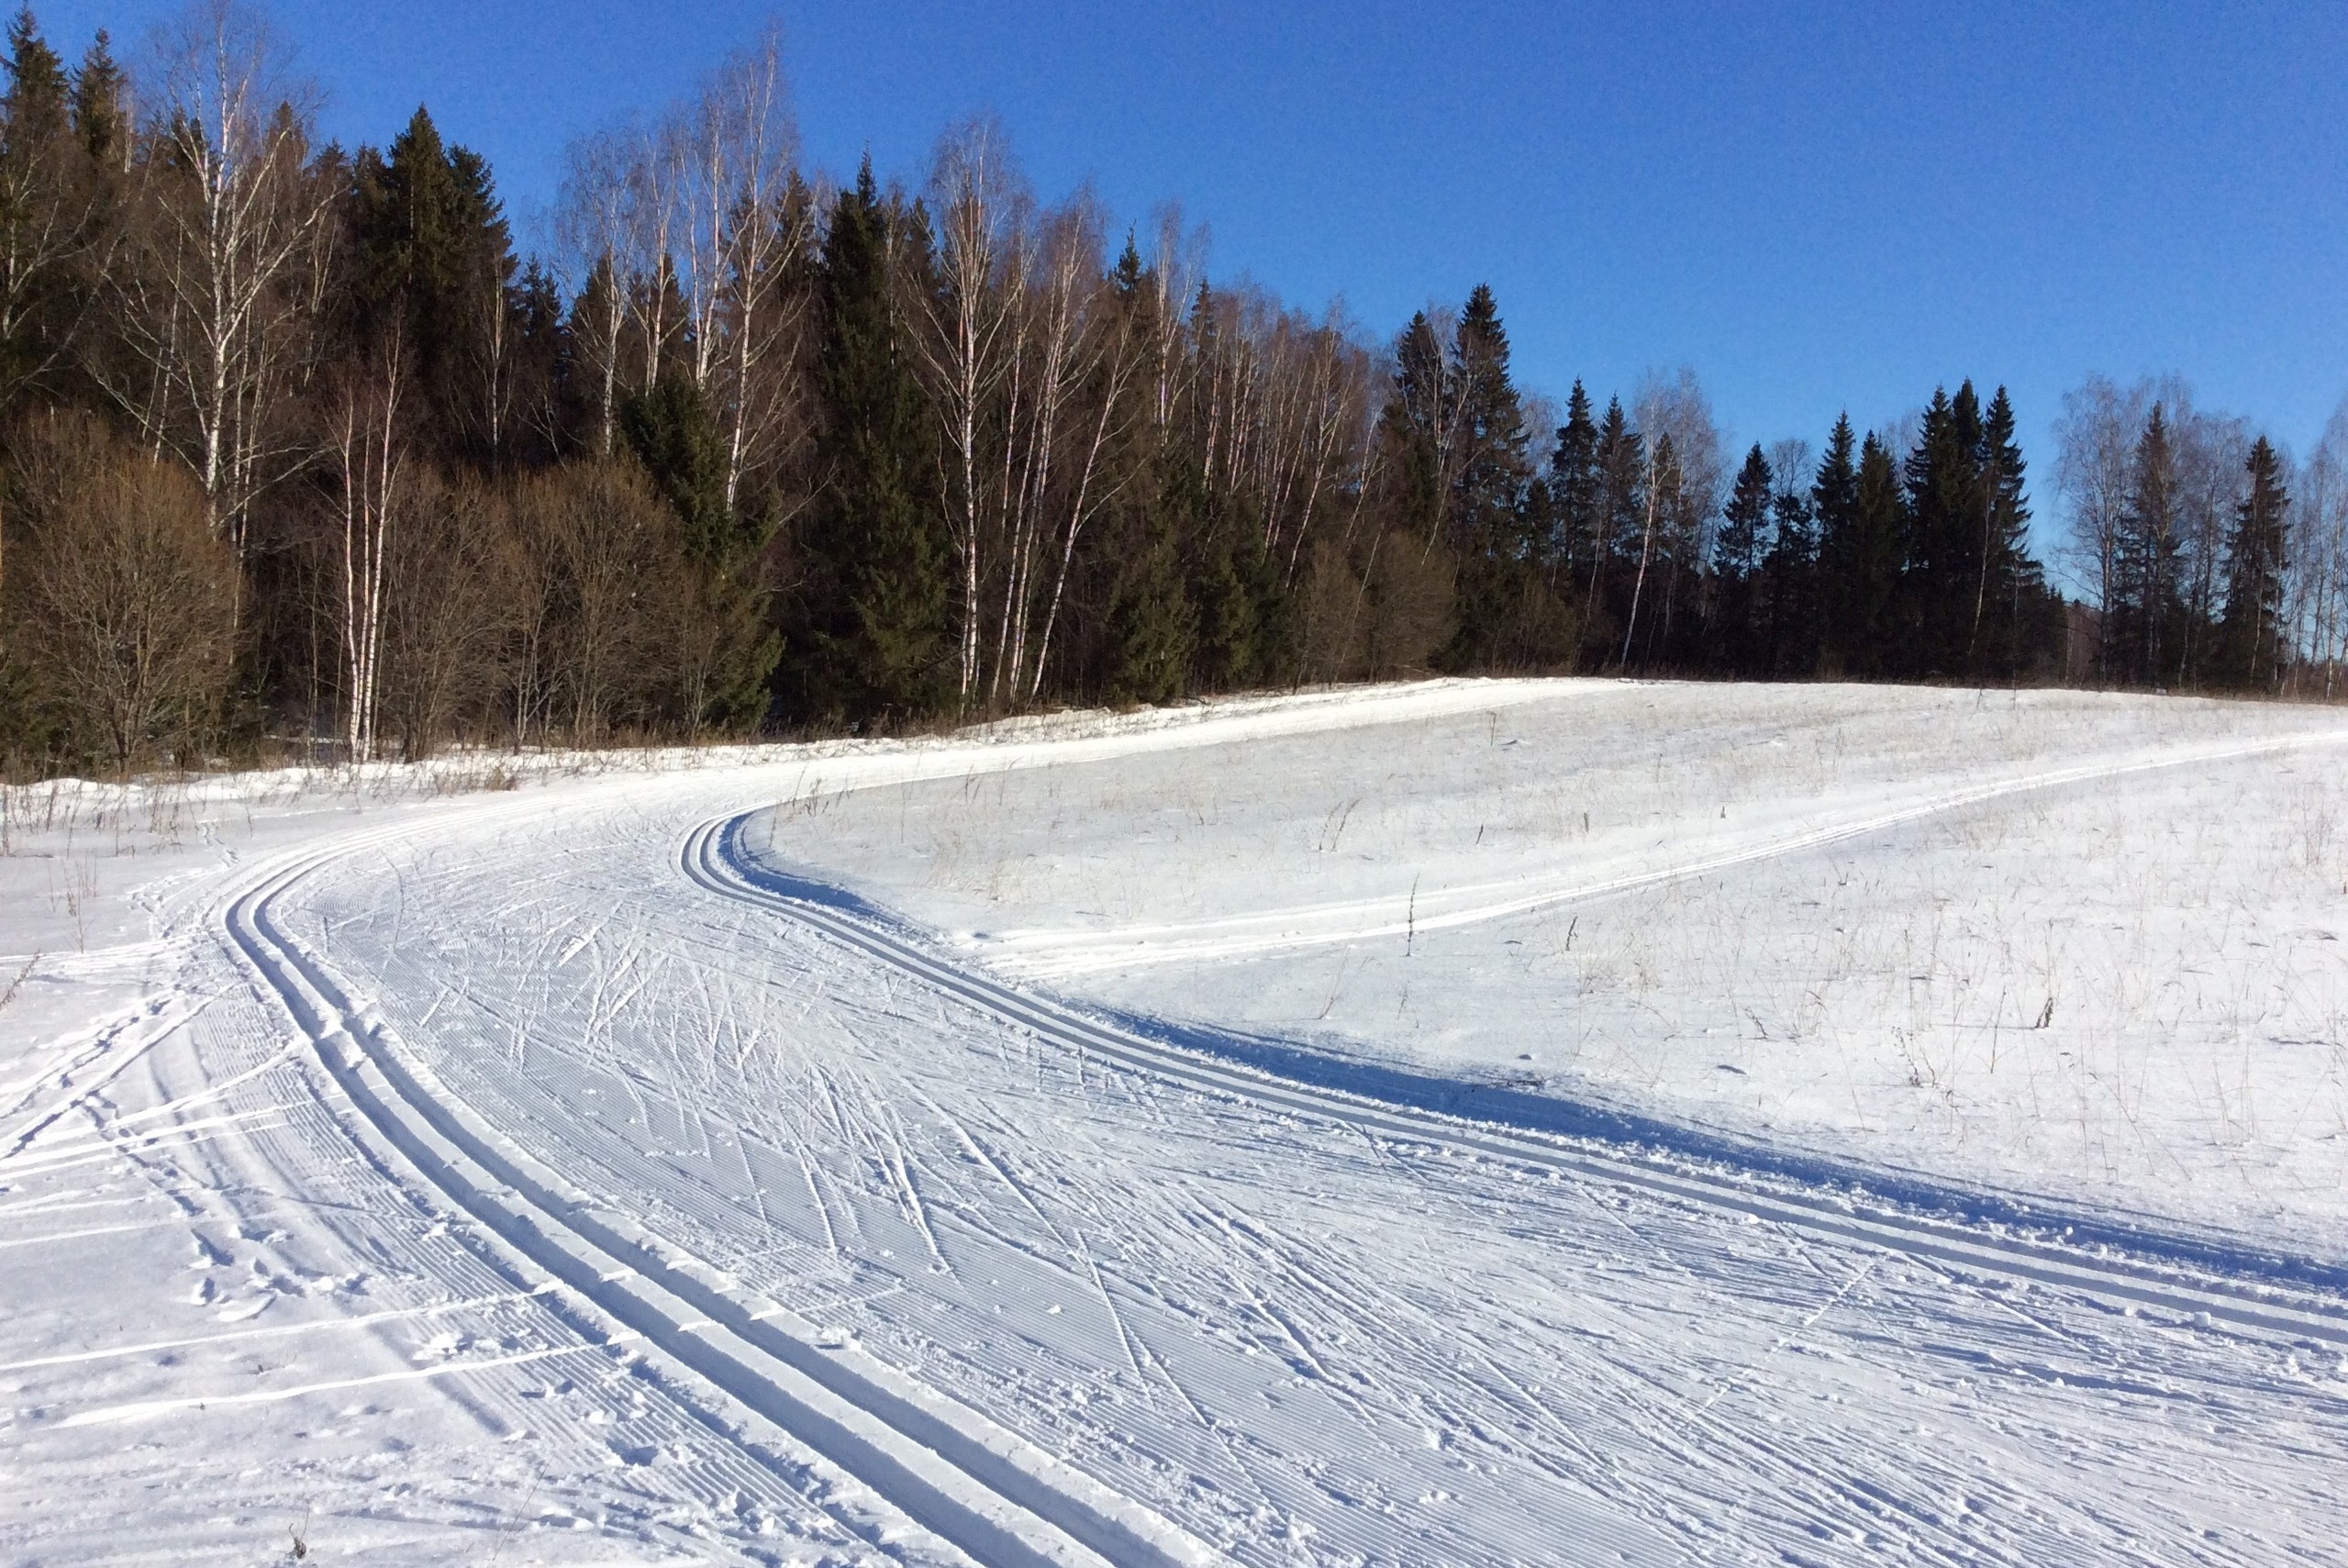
(1819, 209)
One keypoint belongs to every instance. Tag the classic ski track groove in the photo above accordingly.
(713, 856)
(989, 1493)
(946, 1468)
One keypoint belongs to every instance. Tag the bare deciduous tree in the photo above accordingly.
(731, 150)
(369, 454)
(2317, 604)
(132, 592)
(2093, 467)
(592, 224)
(228, 243)
(446, 613)
(971, 345)
(615, 557)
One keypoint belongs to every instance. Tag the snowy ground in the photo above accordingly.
(2052, 941)
(568, 1172)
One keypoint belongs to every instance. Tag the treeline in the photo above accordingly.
(2207, 572)
(299, 452)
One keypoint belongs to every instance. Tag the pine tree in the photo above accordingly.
(868, 633)
(2252, 647)
(1738, 552)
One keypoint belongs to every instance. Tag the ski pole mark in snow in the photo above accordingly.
(1289, 1327)
(952, 1471)
(716, 859)
(1809, 1322)
(362, 1321)
(149, 1409)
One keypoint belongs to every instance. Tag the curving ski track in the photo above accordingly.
(981, 1463)
(947, 1469)
(713, 856)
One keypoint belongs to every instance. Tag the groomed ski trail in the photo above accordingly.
(398, 985)
(1001, 1501)
(713, 856)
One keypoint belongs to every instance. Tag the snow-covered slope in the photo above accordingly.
(2054, 942)
(586, 1172)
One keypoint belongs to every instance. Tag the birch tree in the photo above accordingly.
(969, 348)
(370, 462)
(2316, 607)
(591, 222)
(220, 294)
(731, 151)
(2094, 472)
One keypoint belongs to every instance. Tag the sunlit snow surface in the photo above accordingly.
(1806, 934)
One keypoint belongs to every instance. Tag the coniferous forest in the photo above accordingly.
(303, 456)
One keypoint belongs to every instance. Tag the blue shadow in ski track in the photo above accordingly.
(1527, 1110)
(744, 863)
(1531, 1110)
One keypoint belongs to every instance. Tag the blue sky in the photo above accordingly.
(1817, 209)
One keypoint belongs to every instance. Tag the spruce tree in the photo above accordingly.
(1791, 571)
(1487, 511)
(1738, 551)
(40, 215)
(1573, 491)
(1487, 496)
(37, 101)
(1415, 429)
(1834, 515)
(1152, 628)
(1622, 522)
(1946, 514)
(101, 112)
(433, 260)
(2144, 619)
(868, 635)
(541, 426)
(670, 429)
(1226, 571)
(2010, 584)
(2251, 647)
(723, 621)
(1879, 544)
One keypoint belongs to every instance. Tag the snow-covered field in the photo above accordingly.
(1535, 1121)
